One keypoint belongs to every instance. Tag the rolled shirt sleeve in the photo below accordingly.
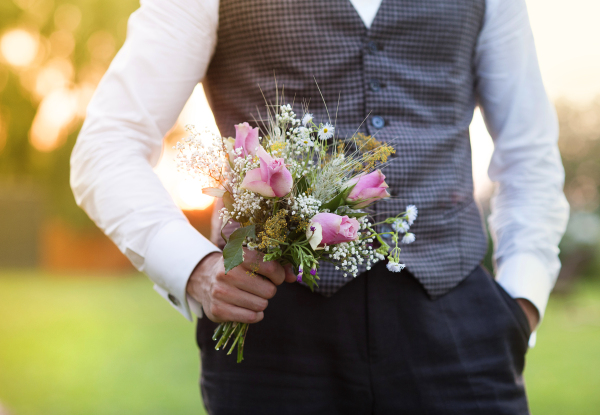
(529, 208)
(167, 51)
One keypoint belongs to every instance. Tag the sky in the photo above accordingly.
(567, 38)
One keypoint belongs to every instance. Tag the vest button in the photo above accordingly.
(372, 46)
(377, 122)
(375, 85)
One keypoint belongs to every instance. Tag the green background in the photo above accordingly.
(100, 345)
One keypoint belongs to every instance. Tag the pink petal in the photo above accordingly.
(281, 182)
(369, 196)
(330, 223)
(251, 176)
(241, 131)
(252, 143)
(348, 229)
(353, 180)
(253, 182)
(246, 138)
(213, 191)
(263, 155)
(373, 179)
(373, 193)
(265, 161)
(259, 187)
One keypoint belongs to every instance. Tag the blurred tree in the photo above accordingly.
(52, 56)
(580, 148)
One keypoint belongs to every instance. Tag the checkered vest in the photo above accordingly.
(410, 76)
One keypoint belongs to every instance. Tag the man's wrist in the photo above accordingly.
(524, 275)
(202, 268)
(173, 253)
(531, 312)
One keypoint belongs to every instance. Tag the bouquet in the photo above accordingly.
(299, 194)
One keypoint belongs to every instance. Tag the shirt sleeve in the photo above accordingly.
(167, 51)
(529, 209)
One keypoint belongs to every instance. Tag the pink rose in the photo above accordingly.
(272, 179)
(330, 229)
(246, 138)
(368, 188)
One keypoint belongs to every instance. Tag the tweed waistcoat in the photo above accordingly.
(410, 75)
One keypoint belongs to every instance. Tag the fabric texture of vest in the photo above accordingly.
(411, 76)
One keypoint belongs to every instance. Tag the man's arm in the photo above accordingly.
(529, 209)
(168, 48)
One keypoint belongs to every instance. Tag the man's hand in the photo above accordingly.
(533, 316)
(241, 295)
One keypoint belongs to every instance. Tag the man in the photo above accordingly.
(440, 338)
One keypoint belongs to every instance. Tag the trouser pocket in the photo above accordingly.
(516, 312)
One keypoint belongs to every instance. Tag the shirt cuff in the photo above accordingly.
(172, 255)
(525, 276)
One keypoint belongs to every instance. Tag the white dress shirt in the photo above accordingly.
(168, 49)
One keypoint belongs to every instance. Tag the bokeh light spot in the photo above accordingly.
(2, 134)
(56, 74)
(101, 45)
(19, 47)
(67, 17)
(62, 43)
(54, 115)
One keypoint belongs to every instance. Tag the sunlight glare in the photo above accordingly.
(187, 192)
(19, 47)
(482, 148)
(191, 197)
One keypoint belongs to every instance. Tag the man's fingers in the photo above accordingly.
(289, 273)
(232, 295)
(253, 261)
(252, 257)
(220, 312)
(252, 283)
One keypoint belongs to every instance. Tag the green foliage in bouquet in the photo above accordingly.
(233, 254)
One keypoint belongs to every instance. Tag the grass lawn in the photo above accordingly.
(93, 346)
(109, 345)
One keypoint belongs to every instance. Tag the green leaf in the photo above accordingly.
(356, 214)
(228, 201)
(233, 254)
(302, 185)
(337, 201)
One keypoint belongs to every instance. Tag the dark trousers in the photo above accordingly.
(378, 346)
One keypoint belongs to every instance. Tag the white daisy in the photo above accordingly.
(400, 226)
(394, 266)
(409, 238)
(326, 132)
(306, 119)
(307, 142)
(411, 212)
(304, 137)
